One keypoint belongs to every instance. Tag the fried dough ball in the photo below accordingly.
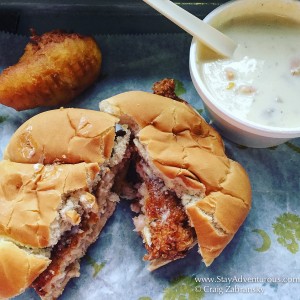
(54, 69)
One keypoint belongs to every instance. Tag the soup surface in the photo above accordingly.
(262, 81)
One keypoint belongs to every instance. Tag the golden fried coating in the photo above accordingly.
(171, 235)
(54, 69)
(166, 87)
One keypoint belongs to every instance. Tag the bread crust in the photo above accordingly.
(82, 136)
(185, 151)
(31, 195)
(18, 268)
(218, 216)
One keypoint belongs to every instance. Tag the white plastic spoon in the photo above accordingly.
(205, 33)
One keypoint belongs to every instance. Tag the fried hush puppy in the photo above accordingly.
(54, 69)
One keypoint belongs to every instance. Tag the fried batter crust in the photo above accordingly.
(62, 250)
(166, 87)
(53, 70)
(171, 235)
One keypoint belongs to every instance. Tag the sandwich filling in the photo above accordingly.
(87, 213)
(162, 221)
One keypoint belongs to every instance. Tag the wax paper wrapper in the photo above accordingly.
(263, 259)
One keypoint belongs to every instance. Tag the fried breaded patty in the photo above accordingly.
(162, 223)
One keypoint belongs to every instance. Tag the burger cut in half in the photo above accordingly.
(187, 190)
(63, 172)
(55, 196)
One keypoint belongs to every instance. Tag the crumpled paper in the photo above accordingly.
(263, 254)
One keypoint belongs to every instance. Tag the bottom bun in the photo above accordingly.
(18, 268)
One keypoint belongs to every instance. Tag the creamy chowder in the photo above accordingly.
(262, 81)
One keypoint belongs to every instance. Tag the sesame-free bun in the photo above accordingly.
(18, 268)
(78, 135)
(188, 155)
(56, 196)
(31, 196)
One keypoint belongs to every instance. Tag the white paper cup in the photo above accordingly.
(243, 131)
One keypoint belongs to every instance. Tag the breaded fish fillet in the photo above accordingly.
(54, 69)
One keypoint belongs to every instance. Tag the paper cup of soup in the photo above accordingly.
(253, 98)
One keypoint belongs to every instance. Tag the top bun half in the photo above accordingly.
(189, 156)
(80, 136)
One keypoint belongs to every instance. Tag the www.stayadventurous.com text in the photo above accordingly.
(239, 284)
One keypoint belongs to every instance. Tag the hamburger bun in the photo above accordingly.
(56, 196)
(178, 152)
(77, 135)
(28, 266)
